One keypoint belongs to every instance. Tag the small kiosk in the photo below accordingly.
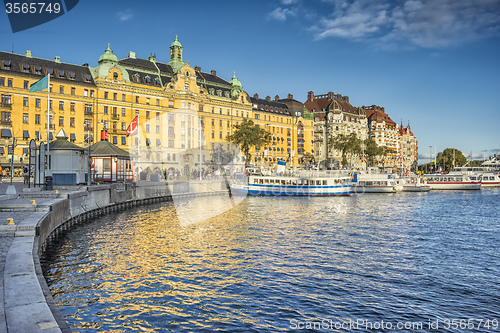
(68, 161)
(109, 162)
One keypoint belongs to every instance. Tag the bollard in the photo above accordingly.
(10, 221)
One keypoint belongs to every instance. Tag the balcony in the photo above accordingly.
(6, 106)
(6, 122)
(115, 116)
(88, 113)
(117, 131)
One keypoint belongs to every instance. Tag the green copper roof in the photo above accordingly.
(176, 42)
(235, 81)
(108, 56)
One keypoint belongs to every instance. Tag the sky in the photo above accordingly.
(434, 64)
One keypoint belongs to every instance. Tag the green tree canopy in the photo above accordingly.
(246, 135)
(445, 159)
(346, 144)
(372, 150)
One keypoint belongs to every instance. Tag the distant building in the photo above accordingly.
(343, 118)
(408, 146)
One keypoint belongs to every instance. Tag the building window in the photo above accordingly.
(61, 121)
(213, 135)
(115, 96)
(72, 90)
(26, 68)
(157, 102)
(114, 125)
(123, 126)
(61, 74)
(87, 78)
(137, 99)
(220, 135)
(61, 89)
(105, 109)
(71, 122)
(9, 82)
(61, 106)
(147, 128)
(2, 81)
(256, 116)
(25, 101)
(157, 129)
(50, 71)
(85, 92)
(157, 116)
(105, 95)
(6, 99)
(124, 140)
(123, 97)
(26, 84)
(5, 117)
(123, 112)
(147, 100)
(71, 76)
(25, 118)
(88, 108)
(37, 119)
(115, 75)
(6, 64)
(72, 106)
(92, 93)
(147, 114)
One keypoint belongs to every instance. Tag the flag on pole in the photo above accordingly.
(133, 128)
(40, 85)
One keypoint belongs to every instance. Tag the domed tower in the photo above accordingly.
(176, 55)
(108, 56)
(236, 87)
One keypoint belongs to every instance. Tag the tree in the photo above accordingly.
(372, 150)
(346, 144)
(445, 159)
(246, 135)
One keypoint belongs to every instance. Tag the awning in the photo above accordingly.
(2, 151)
(25, 151)
(26, 134)
(158, 142)
(5, 133)
(72, 137)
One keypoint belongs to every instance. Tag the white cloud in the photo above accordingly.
(125, 15)
(281, 14)
(422, 23)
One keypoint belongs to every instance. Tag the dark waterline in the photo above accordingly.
(277, 264)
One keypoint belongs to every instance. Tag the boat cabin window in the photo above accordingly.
(306, 182)
(324, 182)
(266, 181)
(271, 181)
(283, 182)
(294, 182)
(300, 181)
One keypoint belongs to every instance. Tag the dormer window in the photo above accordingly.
(87, 78)
(71, 76)
(6, 64)
(50, 71)
(147, 79)
(157, 81)
(61, 74)
(26, 68)
(38, 70)
(115, 75)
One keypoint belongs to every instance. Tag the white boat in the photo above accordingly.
(489, 176)
(294, 184)
(416, 184)
(374, 183)
(453, 181)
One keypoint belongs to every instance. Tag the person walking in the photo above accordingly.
(26, 174)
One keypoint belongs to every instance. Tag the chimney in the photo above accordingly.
(347, 98)
(27, 54)
(256, 96)
(214, 73)
(268, 98)
(197, 69)
(131, 54)
(57, 59)
(331, 95)
(276, 98)
(290, 96)
(310, 96)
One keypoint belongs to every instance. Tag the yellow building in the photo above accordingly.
(184, 114)
(24, 115)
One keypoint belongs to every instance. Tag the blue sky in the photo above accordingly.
(434, 63)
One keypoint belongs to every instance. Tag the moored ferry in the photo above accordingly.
(488, 176)
(374, 183)
(289, 184)
(453, 181)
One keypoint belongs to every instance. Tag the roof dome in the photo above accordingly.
(108, 56)
(235, 81)
(176, 42)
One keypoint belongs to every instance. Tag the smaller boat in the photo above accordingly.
(453, 181)
(416, 184)
(374, 182)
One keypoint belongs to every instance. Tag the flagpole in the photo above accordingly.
(48, 121)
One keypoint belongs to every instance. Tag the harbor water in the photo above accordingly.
(414, 262)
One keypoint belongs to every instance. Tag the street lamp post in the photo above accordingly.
(430, 157)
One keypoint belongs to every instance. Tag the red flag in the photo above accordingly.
(133, 128)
